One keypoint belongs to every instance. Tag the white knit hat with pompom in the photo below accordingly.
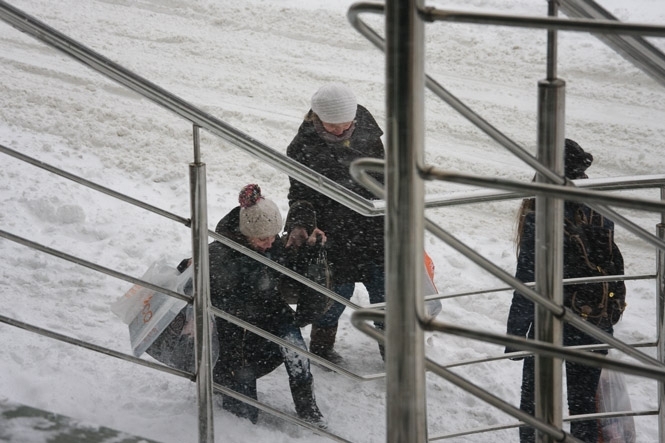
(259, 217)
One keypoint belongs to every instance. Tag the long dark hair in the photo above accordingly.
(528, 206)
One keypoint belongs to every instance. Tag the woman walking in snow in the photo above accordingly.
(582, 380)
(335, 132)
(248, 289)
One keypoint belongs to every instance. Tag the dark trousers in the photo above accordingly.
(582, 382)
(374, 280)
(243, 379)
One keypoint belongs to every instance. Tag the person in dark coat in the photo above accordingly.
(248, 289)
(335, 132)
(582, 381)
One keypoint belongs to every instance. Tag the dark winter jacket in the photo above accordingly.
(521, 315)
(353, 240)
(247, 289)
(250, 290)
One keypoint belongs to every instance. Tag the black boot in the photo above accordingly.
(322, 341)
(305, 402)
(243, 383)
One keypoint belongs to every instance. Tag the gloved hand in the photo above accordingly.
(298, 236)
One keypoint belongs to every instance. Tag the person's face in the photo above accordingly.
(261, 244)
(336, 128)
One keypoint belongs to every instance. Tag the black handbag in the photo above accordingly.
(313, 264)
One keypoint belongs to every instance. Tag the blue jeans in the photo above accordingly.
(297, 365)
(374, 280)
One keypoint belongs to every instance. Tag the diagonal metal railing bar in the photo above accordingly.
(495, 428)
(518, 354)
(280, 341)
(599, 184)
(93, 266)
(432, 14)
(590, 197)
(100, 349)
(57, 171)
(284, 270)
(633, 48)
(277, 412)
(566, 281)
(568, 192)
(39, 30)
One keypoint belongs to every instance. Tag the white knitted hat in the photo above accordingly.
(259, 217)
(335, 103)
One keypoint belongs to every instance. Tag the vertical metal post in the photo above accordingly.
(549, 240)
(197, 182)
(660, 309)
(405, 88)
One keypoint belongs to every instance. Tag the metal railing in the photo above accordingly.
(411, 427)
(198, 221)
(551, 188)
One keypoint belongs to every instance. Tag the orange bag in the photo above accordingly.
(433, 307)
(429, 266)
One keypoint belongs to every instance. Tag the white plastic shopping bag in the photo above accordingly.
(175, 346)
(148, 313)
(612, 396)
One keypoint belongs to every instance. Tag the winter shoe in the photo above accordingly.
(305, 402)
(321, 343)
(240, 409)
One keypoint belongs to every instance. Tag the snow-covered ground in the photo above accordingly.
(255, 65)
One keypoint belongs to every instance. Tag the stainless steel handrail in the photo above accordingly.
(280, 341)
(599, 184)
(93, 266)
(633, 48)
(566, 281)
(277, 412)
(57, 171)
(163, 98)
(100, 349)
(552, 135)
